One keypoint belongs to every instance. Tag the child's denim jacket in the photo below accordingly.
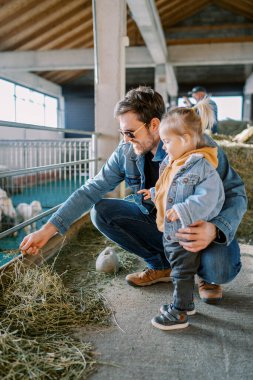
(196, 193)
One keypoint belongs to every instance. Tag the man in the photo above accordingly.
(198, 93)
(132, 225)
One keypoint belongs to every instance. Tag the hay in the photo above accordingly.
(231, 127)
(241, 159)
(37, 315)
(41, 306)
(128, 261)
(37, 302)
(55, 357)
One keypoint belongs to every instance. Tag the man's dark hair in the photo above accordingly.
(144, 102)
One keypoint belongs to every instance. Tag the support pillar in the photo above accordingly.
(248, 99)
(109, 17)
(160, 82)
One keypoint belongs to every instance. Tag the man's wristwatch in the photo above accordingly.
(220, 237)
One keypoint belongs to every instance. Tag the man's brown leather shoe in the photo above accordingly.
(148, 277)
(209, 293)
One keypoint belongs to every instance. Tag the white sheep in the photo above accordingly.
(8, 215)
(27, 211)
(7, 208)
(3, 194)
(6, 205)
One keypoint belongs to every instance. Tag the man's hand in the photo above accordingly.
(33, 242)
(199, 235)
(146, 193)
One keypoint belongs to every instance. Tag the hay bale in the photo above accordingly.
(37, 302)
(231, 127)
(57, 357)
(241, 159)
(37, 315)
(244, 136)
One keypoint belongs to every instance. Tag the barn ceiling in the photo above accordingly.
(40, 25)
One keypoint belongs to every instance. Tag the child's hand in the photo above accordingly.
(146, 193)
(171, 215)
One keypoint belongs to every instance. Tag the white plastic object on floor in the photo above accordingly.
(107, 261)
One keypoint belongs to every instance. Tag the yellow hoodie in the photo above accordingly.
(163, 184)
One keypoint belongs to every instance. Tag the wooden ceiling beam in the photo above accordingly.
(239, 4)
(27, 13)
(181, 6)
(77, 74)
(70, 75)
(62, 41)
(168, 5)
(61, 76)
(208, 40)
(24, 33)
(196, 28)
(236, 7)
(80, 42)
(4, 2)
(134, 34)
(61, 31)
(12, 7)
(183, 11)
(46, 74)
(57, 35)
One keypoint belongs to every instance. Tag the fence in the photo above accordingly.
(46, 171)
(20, 154)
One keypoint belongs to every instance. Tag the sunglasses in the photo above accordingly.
(129, 134)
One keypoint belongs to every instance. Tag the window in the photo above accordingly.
(7, 101)
(229, 107)
(23, 105)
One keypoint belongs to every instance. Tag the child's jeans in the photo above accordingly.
(184, 265)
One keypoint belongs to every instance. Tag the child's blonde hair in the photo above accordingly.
(194, 120)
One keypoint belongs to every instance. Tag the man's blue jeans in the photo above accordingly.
(124, 223)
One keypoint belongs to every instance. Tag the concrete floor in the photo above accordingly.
(218, 344)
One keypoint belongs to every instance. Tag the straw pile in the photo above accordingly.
(42, 306)
(57, 357)
(36, 302)
(241, 159)
(231, 127)
(38, 312)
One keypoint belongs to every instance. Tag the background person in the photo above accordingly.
(198, 93)
(132, 225)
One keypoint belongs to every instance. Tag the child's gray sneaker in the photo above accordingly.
(172, 319)
(190, 311)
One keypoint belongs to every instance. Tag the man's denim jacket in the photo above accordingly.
(124, 164)
(196, 193)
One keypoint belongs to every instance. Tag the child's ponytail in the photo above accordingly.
(205, 112)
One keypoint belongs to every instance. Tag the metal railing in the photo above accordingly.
(47, 171)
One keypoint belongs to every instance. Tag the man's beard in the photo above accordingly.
(141, 149)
